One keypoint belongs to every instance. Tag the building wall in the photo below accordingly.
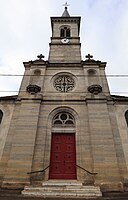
(101, 132)
(121, 108)
(96, 149)
(7, 109)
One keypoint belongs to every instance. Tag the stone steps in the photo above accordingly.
(62, 189)
(61, 183)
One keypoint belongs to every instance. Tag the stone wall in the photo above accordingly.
(7, 109)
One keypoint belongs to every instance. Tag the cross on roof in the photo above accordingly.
(66, 5)
(89, 56)
(40, 56)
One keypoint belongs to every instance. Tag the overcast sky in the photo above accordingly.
(25, 32)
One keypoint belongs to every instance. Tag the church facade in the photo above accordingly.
(64, 124)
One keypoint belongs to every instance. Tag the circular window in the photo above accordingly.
(63, 116)
(64, 83)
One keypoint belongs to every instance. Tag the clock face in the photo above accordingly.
(65, 40)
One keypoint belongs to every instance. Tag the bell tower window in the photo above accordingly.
(64, 32)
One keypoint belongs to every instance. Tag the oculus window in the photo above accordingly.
(64, 83)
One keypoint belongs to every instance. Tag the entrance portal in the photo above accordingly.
(63, 156)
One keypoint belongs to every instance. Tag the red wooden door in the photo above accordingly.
(63, 156)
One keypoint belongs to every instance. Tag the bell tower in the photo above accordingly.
(65, 41)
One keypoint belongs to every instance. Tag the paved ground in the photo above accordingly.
(16, 195)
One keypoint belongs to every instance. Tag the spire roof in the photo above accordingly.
(66, 13)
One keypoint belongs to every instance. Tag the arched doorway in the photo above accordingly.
(63, 147)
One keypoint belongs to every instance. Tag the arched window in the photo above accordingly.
(126, 116)
(35, 77)
(63, 119)
(64, 32)
(93, 77)
(68, 32)
(1, 116)
(92, 72)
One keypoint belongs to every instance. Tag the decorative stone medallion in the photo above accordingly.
(64, 83)
(95, 89)
(33, 89)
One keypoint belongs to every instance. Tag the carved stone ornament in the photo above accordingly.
(64, 83)
(95, 89)
(33, 89)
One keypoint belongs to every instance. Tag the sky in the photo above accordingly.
(25, 31)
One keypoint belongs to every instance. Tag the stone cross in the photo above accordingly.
(66, 5)
(40, 56)
(89, 57)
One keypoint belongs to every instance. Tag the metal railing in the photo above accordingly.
(91, 173)
(42, 170)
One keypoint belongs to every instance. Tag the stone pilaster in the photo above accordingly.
(21, 146)
(103, 145)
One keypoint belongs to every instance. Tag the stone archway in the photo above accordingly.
(63, 147)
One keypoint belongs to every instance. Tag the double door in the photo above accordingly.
(63, 156)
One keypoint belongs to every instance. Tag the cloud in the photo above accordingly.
(26, 30)
(104, 34)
